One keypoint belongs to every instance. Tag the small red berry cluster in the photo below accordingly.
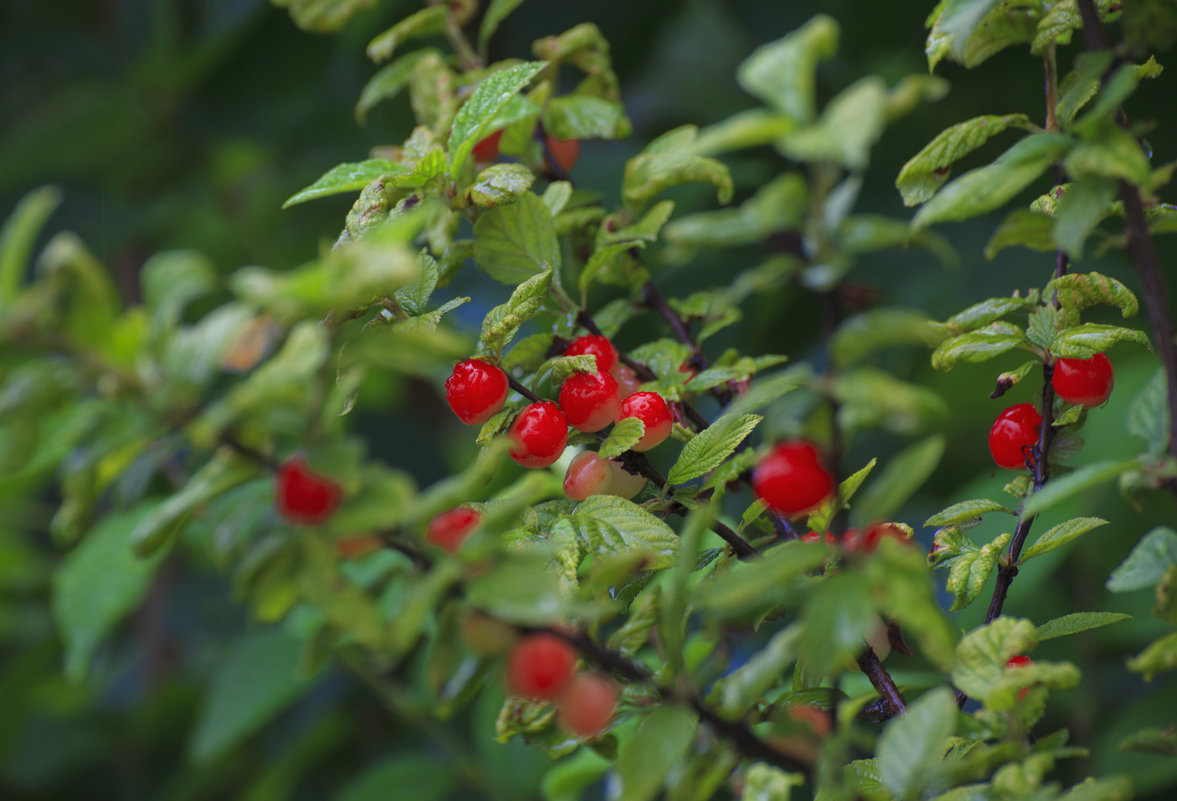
(564, 152)
(865, 541)
(1014, 435)
(543, 667)
(588, 402)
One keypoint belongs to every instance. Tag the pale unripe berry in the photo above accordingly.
(588, 474)
(625, 484)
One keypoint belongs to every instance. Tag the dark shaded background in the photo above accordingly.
(174, 124)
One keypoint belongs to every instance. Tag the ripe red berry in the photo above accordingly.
(449, 529)
(880, 531)
(594, 345)
(588, 475)
(587, 706)
(487, 148)
(627, 380)
(1020, 661)
(1087, 382)
(624, 484)
(1012, 434)
(791, 478)
(590, 401)
(476, 391)
(538, 435)
(540, 666)
(651, 409)
(565, 152)
(304, 496)
(813, 536)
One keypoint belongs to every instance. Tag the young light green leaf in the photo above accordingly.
(846, 130)
(502, 322)
(606, 524)
(782, 73)
(1158, 657)
(414, 298)
(765, 670)
(1077, 291)
(1114, 154)
(819, 519)
(985, 312)
(971, 570)
(899, 579)
(927, 170)
(965, 511)
(500, 184)
(1147, 563)
(556, 196)
(476, 114)
(350, 177)
(655, 748)
(387, 83)
(911, 747)
(496, 12)
(622, 437)
(1025, 228)
(1060, 21)
(763, 782)
(18, 236)
(712, 446)
(322, 16)
(516, 241)
(1148, 415)
(648, 174)
(1087, 339)
(1084, 478)
(751, 128)
(983, 652)
(754, 586)
(1077, 622)
(978, 346)
(898, 481)
(986, 188)
(776, 206)
(426, 22)
(970, 31)
(559, 369)
(585, 117)
(1061, 534)
(838, 618)
(1087, 201)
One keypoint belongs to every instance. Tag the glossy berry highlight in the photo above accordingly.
(1013, 434)
(651, 409)
(594, 345)
(303, 496)
(791, 478)
(540, 666)
(449, 529)
(476, 391)
(1086, 382)
(538, 435)
(590, 401)
(565, 152)
(587, 706)
(588, 474)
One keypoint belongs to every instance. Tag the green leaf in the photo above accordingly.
(986, 188)
(777, 206)
(568, 779)
(757, 585)
(622, 437)
(866, 233)
(871, 397)
(220, 474)
(762, 782)
(1077, 622)
(743, 688)
(1083, 478)
(838, 618)
(652, 752)
(978, 346)
(1161, 742)
(1085, 340)
(1058, 23)
(650, 173)
(247, 688)
(898, 481)
(503, 321)
(1078, 291)
(501, 183)
(911, 748)
(983, 652)
(171, 280)
(476, 114)
(846, 130)
(322, 16)
(750, 128)
(350, 177)
(965, 511)
(711, 446)
(1085, 203)
(1115, 154)
(819, 519)
(431, 778)
(496, 12)
(606, 524)
(517, 241)
(1061, 534)
(585, 117)
(1157, 657)
(559, 369)
(900, 581)
(927, 170)
(971, 570)
(387, 83)
(988, 311)
(1148, 416)
(1146, 565)
(782, 73)
(970, 31)
(426, 22)
(766, 389)
(1025, 228)
(97, 585)
(523, 590)
(18, 236)
(414, 298)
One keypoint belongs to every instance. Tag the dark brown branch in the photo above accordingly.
(880, 679)
(524, 391)
(419, 558)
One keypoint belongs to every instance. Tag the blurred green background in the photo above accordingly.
(184, 124)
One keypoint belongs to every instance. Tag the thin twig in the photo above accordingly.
(880, 679)
(524, 391)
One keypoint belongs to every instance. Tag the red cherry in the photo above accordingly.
(880, 531)
(791, 478)
(813, 536)
(304, 496)
(651, 409)
(565, 152)
(476, 391)
(590, 401)
(1020, 661)
(540, 666)
(538, 435)
(449, 529)
(587, 706)
(588, 475)
(1012, 434)
(1087, 382)
(627, 380)
(594, 345)
(487, 149)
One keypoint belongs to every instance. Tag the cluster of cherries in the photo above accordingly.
(1084, 382)
(542, 667)
(589, 402)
